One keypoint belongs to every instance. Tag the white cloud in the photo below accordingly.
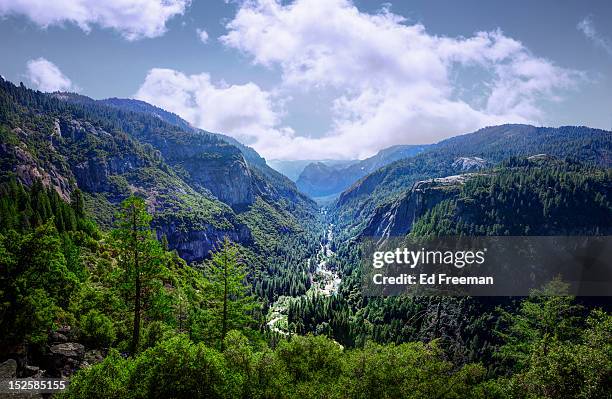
(134, 19)
(394, 82)
(587, 27)
(399, 83)
(202, 35)
(245, 111)
(46, 76)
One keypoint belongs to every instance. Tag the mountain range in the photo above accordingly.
(203, 186)
(296, 300)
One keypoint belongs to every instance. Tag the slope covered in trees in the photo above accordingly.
(520, 197)
(201, 187)
(356, 205)
(81, 282)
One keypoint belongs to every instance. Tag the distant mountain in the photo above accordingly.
(293, 168)
(200, 186)
(487, 147)
(320, 179)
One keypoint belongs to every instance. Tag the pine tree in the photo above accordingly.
(231, 301)
(140, 254)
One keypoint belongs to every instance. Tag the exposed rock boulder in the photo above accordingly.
(92, 357)
(194, 245)
(64, 359)
(465, 164)
(68, 349)
(8, 369)
(57, 337)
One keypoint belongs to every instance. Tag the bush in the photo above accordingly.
(96, 329)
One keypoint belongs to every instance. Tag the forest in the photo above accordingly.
(166, 329)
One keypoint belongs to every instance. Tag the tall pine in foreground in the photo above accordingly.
(140, 255)
(231, 303)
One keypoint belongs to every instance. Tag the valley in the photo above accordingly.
(323, 281)
(146, 248)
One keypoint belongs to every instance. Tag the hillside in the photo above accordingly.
(199, 187)
(357, 205)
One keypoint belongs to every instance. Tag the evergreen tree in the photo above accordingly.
(139, 254)
(77, 202)
(231, 302)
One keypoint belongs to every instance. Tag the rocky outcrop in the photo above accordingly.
(397, 218)
(465, 164)
(226, 176)
(195, 245)
(8, 369)
(64, 359)
(27, 170)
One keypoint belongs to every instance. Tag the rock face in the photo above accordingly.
(68, 349)
(8, 369)
(226, 176)
(27, 170)
(64, 359)
(194, 245)
(397, 218)
(465, 164)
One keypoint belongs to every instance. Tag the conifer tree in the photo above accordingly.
(231, 301)
(139, 254)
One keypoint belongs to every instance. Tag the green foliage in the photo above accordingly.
(549, 316)
(108, 379)
(35, 284)
(22, 209)
(140, 256)
(303, 367)
(230, 302)
(554, 351)
(96, 329)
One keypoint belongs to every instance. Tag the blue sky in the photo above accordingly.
(312, 79)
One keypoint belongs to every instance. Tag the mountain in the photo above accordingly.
(293, 168)
(265, 180)
(199, 186)
(486, 147)
(321, 179)
(395, 219)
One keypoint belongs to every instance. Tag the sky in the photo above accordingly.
(324, 79)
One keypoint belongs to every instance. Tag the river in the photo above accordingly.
(323, 281)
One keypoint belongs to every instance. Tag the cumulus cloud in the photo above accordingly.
(134, 19)
(46, 76)
(399, 83)
(587, 27)
(245, 111)
(202, 34)
(393, 81)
